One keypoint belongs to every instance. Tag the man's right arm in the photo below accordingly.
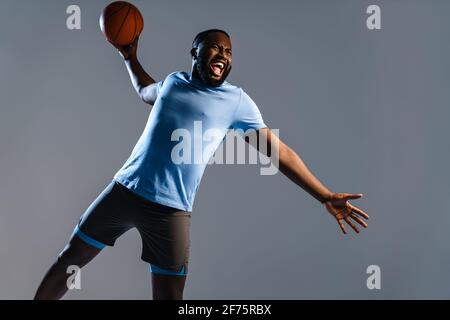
(145, 86)
(143, 83)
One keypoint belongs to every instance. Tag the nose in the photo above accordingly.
(223, 53)
(222, 56)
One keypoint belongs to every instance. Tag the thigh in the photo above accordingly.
(107, 218)
(165, 236)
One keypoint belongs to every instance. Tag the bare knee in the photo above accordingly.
(77, 253)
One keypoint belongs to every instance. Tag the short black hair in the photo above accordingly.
(202, 36)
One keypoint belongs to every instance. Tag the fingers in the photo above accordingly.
(112, 43)
(359, 220)
(134, 44)
(353, 196)
(360, 212)
(341, 225)
(349, 211)
(121, 50)
(329, 206)
(351, 224)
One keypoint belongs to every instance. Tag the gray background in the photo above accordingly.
(367, 110)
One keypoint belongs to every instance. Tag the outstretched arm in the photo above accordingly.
(292, 166)
(144, 85)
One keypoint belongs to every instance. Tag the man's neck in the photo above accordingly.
(194, 74)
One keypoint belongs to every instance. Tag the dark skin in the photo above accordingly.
(216, 48)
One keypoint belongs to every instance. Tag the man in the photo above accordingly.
(154, 193)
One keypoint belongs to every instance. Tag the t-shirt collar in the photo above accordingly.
(201, 83)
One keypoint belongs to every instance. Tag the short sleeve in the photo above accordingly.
(247, 115)
(159, 86)
(151, 92)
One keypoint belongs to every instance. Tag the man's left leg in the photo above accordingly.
(166, 243)
(167, 285)
(165, 233)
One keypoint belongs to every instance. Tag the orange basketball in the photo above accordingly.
(121, 22)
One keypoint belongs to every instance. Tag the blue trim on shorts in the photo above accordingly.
(83, 236)
(158, 270)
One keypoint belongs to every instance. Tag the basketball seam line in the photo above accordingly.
(123, 22)
(111, 14)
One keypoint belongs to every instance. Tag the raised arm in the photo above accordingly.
(143, 83)
(292, 166)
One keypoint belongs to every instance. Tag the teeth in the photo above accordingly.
(219, 65)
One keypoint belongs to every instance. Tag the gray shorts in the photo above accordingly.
(164, 230)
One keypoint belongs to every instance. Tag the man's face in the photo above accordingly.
(213, 59)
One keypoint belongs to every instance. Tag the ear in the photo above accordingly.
(194, 53)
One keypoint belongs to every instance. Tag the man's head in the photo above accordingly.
(211, 56)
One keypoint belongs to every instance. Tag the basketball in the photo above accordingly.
(121, 22)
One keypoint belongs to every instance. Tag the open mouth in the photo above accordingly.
(217, 68)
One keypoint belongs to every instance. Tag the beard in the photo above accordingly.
(204, 72)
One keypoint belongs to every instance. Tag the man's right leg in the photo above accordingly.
(77, 253)
(105, 220)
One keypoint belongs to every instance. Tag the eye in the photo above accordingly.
(229, 52)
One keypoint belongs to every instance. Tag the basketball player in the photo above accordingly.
(155, 195)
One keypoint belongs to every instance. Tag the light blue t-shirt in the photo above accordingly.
(157, 168)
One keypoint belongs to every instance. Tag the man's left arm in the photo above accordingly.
(292, 166)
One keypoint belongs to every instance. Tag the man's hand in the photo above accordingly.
(342, 210)
(129, 51)
(292, 166)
